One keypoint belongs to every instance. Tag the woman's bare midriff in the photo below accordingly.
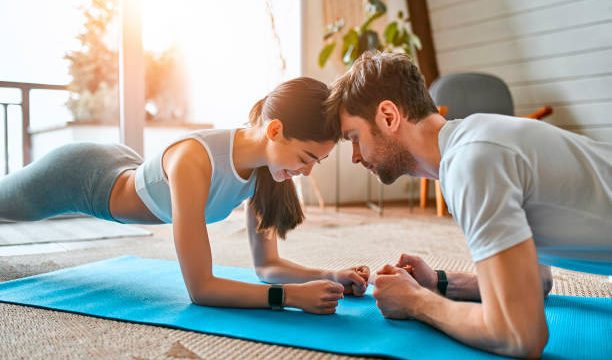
(125, 204)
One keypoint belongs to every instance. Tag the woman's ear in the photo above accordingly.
(388, 116)
(274, 130)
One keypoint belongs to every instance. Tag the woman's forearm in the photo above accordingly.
(230, 293)
(283, 271)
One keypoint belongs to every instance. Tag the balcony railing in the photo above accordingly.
(25, 89)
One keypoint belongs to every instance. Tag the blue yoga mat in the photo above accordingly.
(152, 292)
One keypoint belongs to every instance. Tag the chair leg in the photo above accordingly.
(424, 188)
(440, 204)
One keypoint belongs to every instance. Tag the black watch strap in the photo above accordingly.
(276, 297)
(442, 282)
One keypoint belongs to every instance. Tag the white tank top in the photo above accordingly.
(227, 188)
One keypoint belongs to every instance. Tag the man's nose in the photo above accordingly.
(356, 154)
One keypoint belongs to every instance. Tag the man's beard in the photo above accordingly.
(392, 161)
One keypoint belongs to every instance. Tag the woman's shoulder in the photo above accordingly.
(205, 133)
(189, 157)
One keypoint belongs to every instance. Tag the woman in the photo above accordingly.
(205, 175)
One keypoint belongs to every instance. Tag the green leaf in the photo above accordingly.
(390, 32)
(416, 42)
(351, 38)
(325, 53)
(350, 55)
(328, 34)
(375, 6)
(401, 38)
(408, 50)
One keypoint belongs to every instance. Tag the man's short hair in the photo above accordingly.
(375, 77)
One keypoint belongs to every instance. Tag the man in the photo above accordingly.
(524, 192)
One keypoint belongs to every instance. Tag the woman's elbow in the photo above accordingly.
(201, 295)
(266, 272)
(197, 298)
(261, 273)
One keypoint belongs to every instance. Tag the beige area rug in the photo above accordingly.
(328, 239)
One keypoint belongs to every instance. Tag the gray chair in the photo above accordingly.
(462, 94)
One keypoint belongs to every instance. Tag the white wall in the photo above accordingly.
(554, 52)
(353, 178)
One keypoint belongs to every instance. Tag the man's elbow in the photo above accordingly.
(532, 348)
(547, 285)
(527, 345)
(547, 279)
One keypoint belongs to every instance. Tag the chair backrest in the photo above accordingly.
(468, 93)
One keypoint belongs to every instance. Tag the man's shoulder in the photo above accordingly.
(479, 152)
(480, 163)
(489, 133)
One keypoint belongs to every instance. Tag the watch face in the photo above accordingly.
(442, 282)
(276, 296)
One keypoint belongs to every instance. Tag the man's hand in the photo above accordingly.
(395, 293)
(419, 269)
(355, 280)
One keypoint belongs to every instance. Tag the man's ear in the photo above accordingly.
(388, 116)
(274, 130)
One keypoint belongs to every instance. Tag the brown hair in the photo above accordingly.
(375, 77)
(298, 104)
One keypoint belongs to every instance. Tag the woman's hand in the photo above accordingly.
(354, 280)
(420, 271)
(317, 297)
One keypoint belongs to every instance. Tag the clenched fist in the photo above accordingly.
(317, 297)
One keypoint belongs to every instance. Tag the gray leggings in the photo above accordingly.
(74, 178)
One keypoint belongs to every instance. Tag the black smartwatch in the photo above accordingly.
(442, 282)
(276, 297)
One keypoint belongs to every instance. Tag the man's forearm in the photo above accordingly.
(462, 286)
(463, 321)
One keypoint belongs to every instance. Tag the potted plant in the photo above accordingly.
(397, 36)
(94, 67)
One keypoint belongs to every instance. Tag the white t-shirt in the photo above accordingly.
(507, 179)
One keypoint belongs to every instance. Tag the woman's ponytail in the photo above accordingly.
(276, 204)
(255, 113)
